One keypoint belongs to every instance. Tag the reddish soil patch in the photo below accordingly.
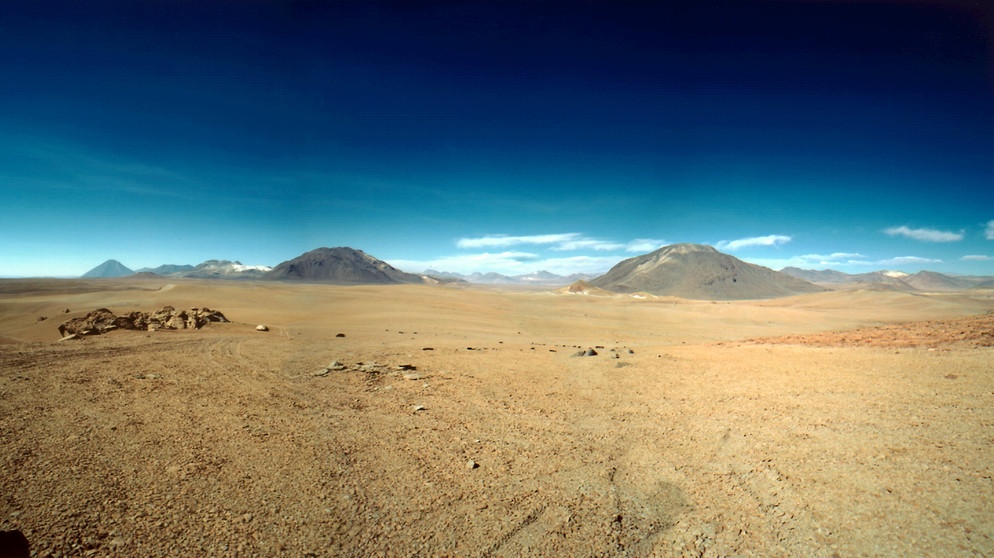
(973, 331)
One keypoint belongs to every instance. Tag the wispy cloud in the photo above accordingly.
(642, 245)
(925, 235)
(977, 258)
(505, 241)
(560, 242)
(769, 240)
(544, 254)
(508, 263)
(989, 231)
(907, 260)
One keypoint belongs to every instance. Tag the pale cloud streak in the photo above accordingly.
(508, 263)
(560, 242)
(989, 231)
(505, 241)
(907, 260)
(925, 235)
(768, 240)
(977, 258)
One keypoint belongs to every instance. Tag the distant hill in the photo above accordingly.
(932, 281)
(699, 272)
(110, 268)
(343, 266)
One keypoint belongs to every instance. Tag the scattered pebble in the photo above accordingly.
(261, 327)
(340, 335)
(471, 464)
(417, 408)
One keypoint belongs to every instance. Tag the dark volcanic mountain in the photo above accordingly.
(700, 272)
(110, 268)
(342, 266)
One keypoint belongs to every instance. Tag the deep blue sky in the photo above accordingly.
(503, 137)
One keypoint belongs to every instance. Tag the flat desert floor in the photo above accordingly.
(456, 421)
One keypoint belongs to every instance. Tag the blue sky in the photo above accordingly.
(506, 137)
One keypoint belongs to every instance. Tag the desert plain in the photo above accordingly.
(419, 420)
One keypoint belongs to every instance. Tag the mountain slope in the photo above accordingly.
(700, 272)
(342, 266)
(110, 268)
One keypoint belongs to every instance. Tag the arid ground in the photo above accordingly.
(456, 421)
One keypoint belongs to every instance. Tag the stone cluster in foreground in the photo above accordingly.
(103, 320)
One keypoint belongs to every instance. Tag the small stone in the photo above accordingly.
(340, 335)
(412, 376)
(471, 464)
(406, 367)
(427, 348)
(322, 372)
(417, 408)
(247, 517)
(261, 327)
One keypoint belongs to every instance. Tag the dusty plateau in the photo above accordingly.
(417, 420)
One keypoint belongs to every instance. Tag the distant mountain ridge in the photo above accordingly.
(211, 269)
(928, 281)
(697, 271)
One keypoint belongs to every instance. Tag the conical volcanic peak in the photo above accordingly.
(110, 268)
(342, 265)
(700, 272)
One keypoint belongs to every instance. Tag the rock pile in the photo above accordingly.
(103, 320)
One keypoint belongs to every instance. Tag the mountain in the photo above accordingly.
(342, 266)
(921, 281)
(110, 268)
(699, 272)
(932, 281)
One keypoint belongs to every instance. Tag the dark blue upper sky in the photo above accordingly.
(506, 136)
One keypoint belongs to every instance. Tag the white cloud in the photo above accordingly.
(508, 263)
(588, 244)
(977, 258)
(989, 231)
(504, 241)
(561, 242)
(925, 235)
(644, 245)
(907, 260)
(769, 240)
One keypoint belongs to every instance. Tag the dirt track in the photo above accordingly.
(223, 441)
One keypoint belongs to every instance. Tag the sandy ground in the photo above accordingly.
(804, 426)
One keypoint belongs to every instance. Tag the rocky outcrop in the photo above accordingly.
(103, 320)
